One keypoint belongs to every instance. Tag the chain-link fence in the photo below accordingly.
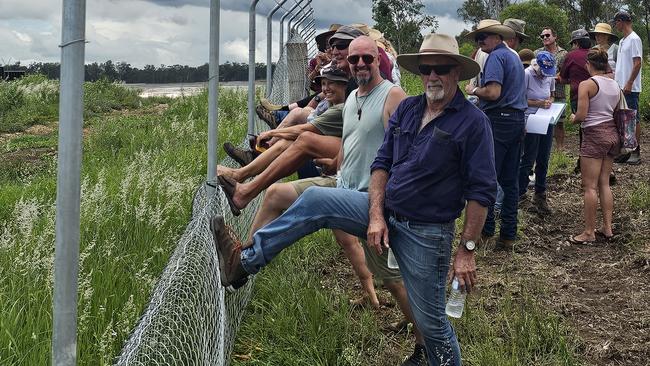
(191, 319)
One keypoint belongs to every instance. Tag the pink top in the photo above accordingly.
(602, 105)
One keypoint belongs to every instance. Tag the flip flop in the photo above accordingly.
(573, 240)
(228, 187)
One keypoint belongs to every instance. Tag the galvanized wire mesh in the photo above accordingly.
(191, 319)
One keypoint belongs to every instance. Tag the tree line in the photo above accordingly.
(123, 71)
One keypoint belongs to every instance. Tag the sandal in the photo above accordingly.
(573, 240)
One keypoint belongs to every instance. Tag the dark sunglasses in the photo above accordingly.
(482, 36)
(439, 69)
(367, 59)
(547, 35)
(341, 46)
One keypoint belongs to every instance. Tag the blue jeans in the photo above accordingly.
(632, 100)
(537, 150)
(422, 250)
(508, 131)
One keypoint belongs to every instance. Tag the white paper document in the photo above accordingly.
(556, 111)
(538, 124)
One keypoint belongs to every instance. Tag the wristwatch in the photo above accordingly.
(470, 245)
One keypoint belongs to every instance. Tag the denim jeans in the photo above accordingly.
(537, 150)
(422, 250)
(508, 131)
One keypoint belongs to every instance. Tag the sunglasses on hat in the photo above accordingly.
(367, 59)
(439, 69)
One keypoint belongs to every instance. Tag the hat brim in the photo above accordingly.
(330, 78)
(411, 62)
(522, 35)
(612, 37)
(321, 40)
(500, 29)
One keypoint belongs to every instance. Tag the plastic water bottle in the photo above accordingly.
(456, 300)
(392, 261)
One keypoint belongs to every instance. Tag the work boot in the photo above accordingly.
(267, 116)
(539, 200)
(504, 244)
(241, 156)
(418, 358)
(270, 106)
(233, 274)
(635, 157)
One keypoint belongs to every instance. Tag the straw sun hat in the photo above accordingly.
(492, 26)
(604, 28)
(436, 44)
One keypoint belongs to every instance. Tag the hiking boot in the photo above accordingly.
(504, 244)
(267, 116)
(635, 157)
(418, 358)
(233, 274)
(241, 156)
(622, 158)
(539, 200)
(270, 106)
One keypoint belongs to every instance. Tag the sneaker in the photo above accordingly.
(539, 200)
(270, 106)
(635, 157)
(241, 156)
(233, 274)
(418, 358)
(267, 116)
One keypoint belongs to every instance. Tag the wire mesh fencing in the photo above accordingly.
(191, 319)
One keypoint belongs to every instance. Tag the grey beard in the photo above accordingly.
(363, 81)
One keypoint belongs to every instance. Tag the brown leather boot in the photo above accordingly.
(233, 274)
(241, 156)
(539, 200)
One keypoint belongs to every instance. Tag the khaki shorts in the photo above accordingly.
(378, 265)
(301, 185)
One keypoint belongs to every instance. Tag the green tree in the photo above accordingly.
(586, 13)
(402, 22)
(537, 16)
(473, 11)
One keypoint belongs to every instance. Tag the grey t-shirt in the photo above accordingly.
(330, 123)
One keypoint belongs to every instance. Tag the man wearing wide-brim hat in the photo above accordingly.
(435, 158)
(489, 25)
(502, 96)
(518, 26)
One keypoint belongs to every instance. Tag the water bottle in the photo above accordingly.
(392, 261)
(456, 300)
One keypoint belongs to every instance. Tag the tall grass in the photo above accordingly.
(139, 175)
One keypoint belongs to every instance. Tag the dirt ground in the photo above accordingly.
(601, 291)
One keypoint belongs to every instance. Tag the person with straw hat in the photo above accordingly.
(502, 96)
(605, 39)
(434, 162)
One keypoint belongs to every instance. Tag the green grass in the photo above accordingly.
(139, 174)
(639, 197)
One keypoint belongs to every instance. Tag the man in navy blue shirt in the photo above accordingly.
(436, 160)
(502, 96)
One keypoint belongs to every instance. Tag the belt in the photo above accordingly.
(398, 217)
(502, 110)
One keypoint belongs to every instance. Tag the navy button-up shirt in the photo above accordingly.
(433, 172)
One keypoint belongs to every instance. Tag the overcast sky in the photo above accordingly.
(169, 32)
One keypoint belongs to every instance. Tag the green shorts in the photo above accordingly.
(378, 265)
(301, 185)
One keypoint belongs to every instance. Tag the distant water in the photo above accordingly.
(175, 90)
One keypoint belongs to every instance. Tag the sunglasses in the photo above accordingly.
(482, 36)
(546, 35)
(341, 46)
(367, 59)
(439, 69)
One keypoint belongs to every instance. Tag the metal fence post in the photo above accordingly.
(251, 66)
(269, 32)
(282, 23)
(289, 27)
(68, 191)
(213, 92)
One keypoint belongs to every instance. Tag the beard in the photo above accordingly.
(435, 92)
(362, 80)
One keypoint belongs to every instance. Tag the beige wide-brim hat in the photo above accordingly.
(492, 26)
(604, 28)
(436, 44)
